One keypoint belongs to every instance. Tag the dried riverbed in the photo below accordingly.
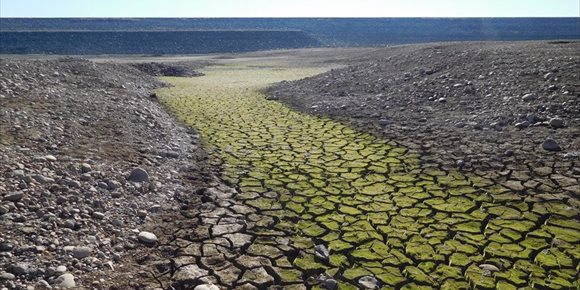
(321, 204)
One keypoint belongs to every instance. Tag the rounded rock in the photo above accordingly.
(81, 252)
(551, 145)
(369, 282)
(556, 123)
(64, 281)
(14, 197)
(147, 237)
(138, 175)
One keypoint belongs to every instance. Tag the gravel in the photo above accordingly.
(71, 130)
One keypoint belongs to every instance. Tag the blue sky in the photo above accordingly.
(290, 8)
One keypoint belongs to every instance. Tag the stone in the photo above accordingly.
(147, 237)
(64, 281)
(138, 175)
(206, 287)
(330, 284)
(85, 167)
(322, 253)
(522, 125)
(98, 215)
(272, 98)
(489, 267)
(551, 145)
(7, 276)
(69, 224)
(4, 210)
(61, 269)
(556, 123)
(50, 158)
(384, 122)
(81, 252)
(14, 197)
(528, 97)
(369, 282)
(6, 247)
(19, 269)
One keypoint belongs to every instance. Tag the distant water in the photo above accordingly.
(195, 35)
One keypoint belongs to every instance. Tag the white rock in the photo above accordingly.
(66, 280)
(147, 237)
(206, 287)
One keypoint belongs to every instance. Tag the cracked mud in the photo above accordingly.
(307, 185)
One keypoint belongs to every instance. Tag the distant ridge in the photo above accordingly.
(43, 34)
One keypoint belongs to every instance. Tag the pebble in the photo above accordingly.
(19, 269)
(66, 280)
(551, 145)
(139, 175)
(528, 97)
(272, 98)
(7, 276)
(50, 158)
(383, 122)
(522, 125)
(15, 196)
(556, 123)
(489, 267)
(98, 215)
(322, 253)
(369, 282)
(85, 167)
(147, 237)
(81, 252)
(4, 210)
(61, 269)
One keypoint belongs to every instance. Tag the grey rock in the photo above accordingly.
(272, 98)
(6, 247)
(4, 210)
(50, 158)
(551, 145)
(322, 253)
(138, 175)
(85, 167)
(522, 125)
(42, 179)
(557, 123)
(98, 215)
(70, 224)
(147, 237)
(528, 97)
(384, 122)
(330, 284)
(19, 269)
(369, 282)
(113, 184)
(81, 252)
(66, 280)
(14, 197)
(7, 276)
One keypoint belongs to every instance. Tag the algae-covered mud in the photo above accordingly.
(333, 205)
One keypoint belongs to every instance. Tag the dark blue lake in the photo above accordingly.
(212, 35)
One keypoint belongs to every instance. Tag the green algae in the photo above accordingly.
(368, 200)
